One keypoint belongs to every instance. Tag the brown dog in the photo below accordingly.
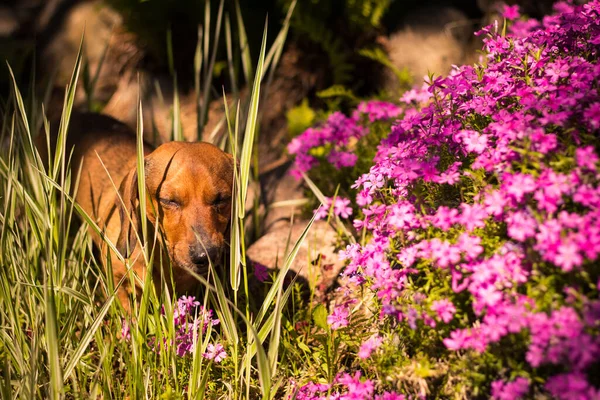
(188, 186)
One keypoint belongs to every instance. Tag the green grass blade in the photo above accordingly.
(141, 171)
(197, 82)
(52, 342)
(66, 115)
(244, 47)
(274, 54)
(176, 128)
(282, 273)
(230, 62)
(251, 126)
(170, 57)
(321, 197)
(211, 64)
(235, 244)
(87, 338)
(228, 323)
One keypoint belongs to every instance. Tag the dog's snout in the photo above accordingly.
(198, 258)
(202, 256)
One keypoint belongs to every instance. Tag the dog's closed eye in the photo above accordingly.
(221, 200)
(169, 202)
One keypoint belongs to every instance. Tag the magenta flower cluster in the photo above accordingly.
(490, 182)
(338, 206)
(344, 387)
(191, 320)
(337, 136)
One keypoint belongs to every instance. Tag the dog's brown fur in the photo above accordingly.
(188, 186)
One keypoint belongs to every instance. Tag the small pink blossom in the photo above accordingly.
(125, 331)
(338, 318)
(586, 157)
(215, 352)
(369, 346)
(510, 390)
(260, 271)
(341, 207)
(444, 309)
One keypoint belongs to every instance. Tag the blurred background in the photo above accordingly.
(330, 42)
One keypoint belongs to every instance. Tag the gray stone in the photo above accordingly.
(316, 263)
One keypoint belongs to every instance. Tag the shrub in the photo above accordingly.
(481, 211)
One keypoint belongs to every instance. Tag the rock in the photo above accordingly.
(431, 40)
(282, 195)
(101, 25)
(109, 53)
(316, 263)
(158, 109)
(8, 22)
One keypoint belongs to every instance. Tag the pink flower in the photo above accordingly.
(260, 271)
(390, 396)
(357, 389)
(510, 390)
(472, 216)
(450, 177)
(338, 318)
(125, 331)
(369, 346)
(341, 207)
(521, 225)
(586, 157)
(444, 253)
(215, 353)
(445, 217)
(457, 340)
(379, 110)
(571, 386)
(402, 215)
(473, 141)
(470, 245)
(444, 309)
(340, 159)
(494, 203)
(592, 114)
(568, 256)
(518, 185)
(322, 212)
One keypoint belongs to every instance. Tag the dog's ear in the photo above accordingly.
(128, 213)
(233, 163)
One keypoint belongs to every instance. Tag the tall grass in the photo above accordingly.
(60, 326)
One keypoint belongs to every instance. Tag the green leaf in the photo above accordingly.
(300, 118)
(319, 316)
(337, 91)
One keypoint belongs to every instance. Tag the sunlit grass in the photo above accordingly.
(60, 326)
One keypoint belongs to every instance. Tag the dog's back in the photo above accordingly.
(109, 150)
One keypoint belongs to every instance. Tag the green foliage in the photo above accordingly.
(365, 14)
(337, 91)
(300, 118)
(311, 27)
(335, 27)
(378, 55)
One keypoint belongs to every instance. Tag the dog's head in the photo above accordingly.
(189, 190)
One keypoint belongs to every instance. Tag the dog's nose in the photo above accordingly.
(201, 256)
